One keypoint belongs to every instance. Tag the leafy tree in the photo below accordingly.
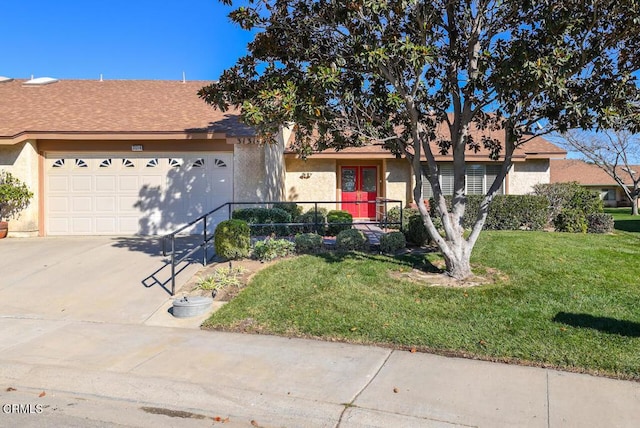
(614, 152)
(417, 77)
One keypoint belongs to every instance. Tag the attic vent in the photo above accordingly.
(5, 79)
(40, 81)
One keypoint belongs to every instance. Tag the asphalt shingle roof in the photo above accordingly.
(112, 106)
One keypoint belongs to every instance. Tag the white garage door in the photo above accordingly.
(147, 195)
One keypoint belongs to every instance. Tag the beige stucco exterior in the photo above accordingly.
(398, 180)
(21, 160)
(258, 173)
(311, 180)
(524, 175)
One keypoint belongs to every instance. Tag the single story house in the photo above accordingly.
(594, 178)
(123, 157)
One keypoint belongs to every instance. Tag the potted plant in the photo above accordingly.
(14, 197)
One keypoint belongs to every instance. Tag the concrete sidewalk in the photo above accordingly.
(100, 374)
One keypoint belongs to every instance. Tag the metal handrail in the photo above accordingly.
(206, 239)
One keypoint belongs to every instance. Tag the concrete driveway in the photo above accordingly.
(101, 279)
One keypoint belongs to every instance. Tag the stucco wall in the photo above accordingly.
(399, 180)
(257, 173)
(524, 175)
(311, 180)
(21, 160)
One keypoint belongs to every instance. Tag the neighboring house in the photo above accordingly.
(122, 157)
(594, 178)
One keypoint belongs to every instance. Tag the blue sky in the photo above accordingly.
(134, 39)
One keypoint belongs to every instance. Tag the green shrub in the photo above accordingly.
(506, 212)
(513, 212)
(392, 242)
(292, 208)
(416, 231)
(15, 196)
(600, 223)
(308, 243)
(232, 239)
(570, 220)
(393, 216)
(270, 249)
(351, 240)
(309, 218)
(338, 216)
(570, 196)
(264, 216)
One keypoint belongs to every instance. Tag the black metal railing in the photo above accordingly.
(207, 220)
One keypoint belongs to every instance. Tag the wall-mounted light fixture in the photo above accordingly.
(305, 175)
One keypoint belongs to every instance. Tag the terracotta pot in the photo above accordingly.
(4, 229)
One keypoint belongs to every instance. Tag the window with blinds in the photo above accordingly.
(479, 179)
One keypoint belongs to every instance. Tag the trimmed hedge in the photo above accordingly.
(264, 216)
(416, 231)
(506, 212)
(392, 242)
(232, 239)
(393, 216)
(570, 196)
(308, 243)
(351, 240)
(291, 207)
(338, 216)
(600, 223)
(309, 218)
(571, 220)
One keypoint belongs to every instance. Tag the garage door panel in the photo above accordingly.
(59, 226)
(128, 184)
(58, 184)
(105, 204)
(80, 183)
(146, 194)
(58, 204)
(106, 225)
(81, 204)
(82, 225)
(106, 183)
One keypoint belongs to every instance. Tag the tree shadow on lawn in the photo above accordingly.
(628, 225)
(416, 260)
(604, 324)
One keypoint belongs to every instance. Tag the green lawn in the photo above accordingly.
(570, 301)
(624, 220)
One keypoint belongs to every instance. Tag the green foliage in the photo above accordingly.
(570, 220)
(392, 242)
(351, 240)
(351, 73)
(393, 216)
(310, 218)
(265, 216)
(570, 196)
(338, 216)
(416, 231)
(232, 239)
(291, 207)
(308, 243)
(221, 278)
(600, 223)
(270, 249)
(507, 212)
(513, 212)
(15, 196)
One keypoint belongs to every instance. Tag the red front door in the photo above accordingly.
(359, 190)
